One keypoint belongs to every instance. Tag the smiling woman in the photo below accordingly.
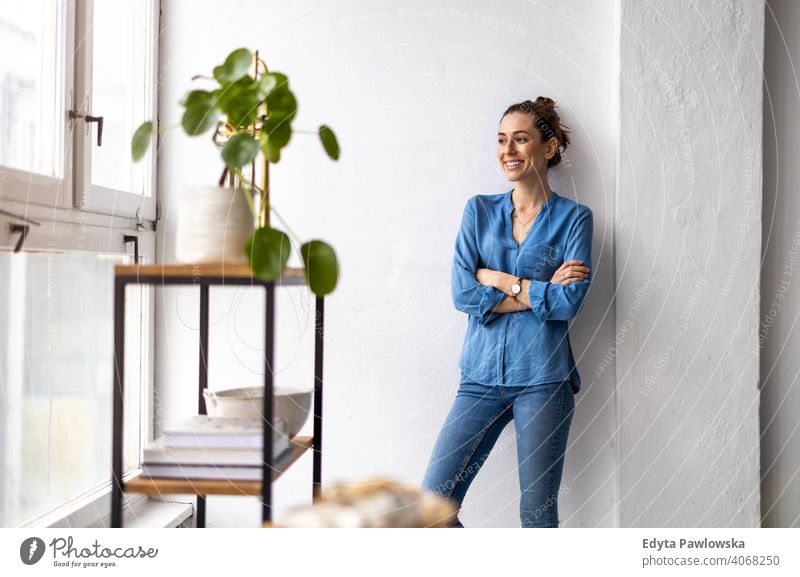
(521, 273)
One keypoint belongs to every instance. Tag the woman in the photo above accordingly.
(520, 273)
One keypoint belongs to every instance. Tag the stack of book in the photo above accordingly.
(218, 448)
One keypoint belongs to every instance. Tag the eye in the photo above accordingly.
(521, 139)
(500, 141)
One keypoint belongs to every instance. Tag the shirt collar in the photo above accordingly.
(509, 204)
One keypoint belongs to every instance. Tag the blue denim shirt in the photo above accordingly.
(530, 346)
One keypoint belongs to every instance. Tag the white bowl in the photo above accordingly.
(292, 404)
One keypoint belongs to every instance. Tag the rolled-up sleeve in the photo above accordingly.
(470, 296)
(557, 302)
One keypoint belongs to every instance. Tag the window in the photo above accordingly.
(55, 376)
(115, 80)
(33, 101)
(31, 88)
(79, 200)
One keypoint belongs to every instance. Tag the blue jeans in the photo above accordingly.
(542, 415)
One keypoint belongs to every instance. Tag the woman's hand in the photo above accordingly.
(569, 272)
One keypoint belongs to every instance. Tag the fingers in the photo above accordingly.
(569, 276)
(570, 271)
(567, 268)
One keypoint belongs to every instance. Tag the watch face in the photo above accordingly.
(515, 288)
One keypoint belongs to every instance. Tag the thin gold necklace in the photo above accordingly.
(524, 224)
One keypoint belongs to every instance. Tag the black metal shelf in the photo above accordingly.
(205, 276)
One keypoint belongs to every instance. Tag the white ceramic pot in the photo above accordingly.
(291, 404)
(214, 224)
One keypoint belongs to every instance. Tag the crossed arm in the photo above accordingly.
(503, 281)
(569, 272)
(481, 292)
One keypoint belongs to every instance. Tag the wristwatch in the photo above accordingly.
(516, 288)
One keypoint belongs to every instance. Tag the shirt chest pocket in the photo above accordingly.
(540, 261)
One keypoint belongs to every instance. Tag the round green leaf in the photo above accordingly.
(329, 141)
(268, 251)
(275, 134)
(273, 153)
(239, 150)
(240, 101)
(280, 78)
(278, 130)
(236, 65)
(281, 102)
(197, 98)
(322, 269)
(266, 84)
(201, 112)
(280, 99)
(141, 140)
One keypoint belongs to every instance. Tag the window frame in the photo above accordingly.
(65, 215)
(79, 237)
(88, 196)
(33, 187)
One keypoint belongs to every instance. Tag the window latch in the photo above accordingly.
(135, 240)
(139, 221)
(22, 229)
(89, 118)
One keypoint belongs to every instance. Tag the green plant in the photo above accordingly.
(252, 115)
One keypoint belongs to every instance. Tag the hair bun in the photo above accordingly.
(544, 100)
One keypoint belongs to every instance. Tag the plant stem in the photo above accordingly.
(246, 192)
(287, 227)
(292, 234)
(249, 198)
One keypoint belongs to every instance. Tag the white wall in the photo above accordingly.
(688, 232)
(780, 302)
(414, 91)
(665, 102)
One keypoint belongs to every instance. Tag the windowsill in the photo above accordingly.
(138, 512)
(153, 514)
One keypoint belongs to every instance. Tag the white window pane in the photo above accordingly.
(56, 351)
(32, 115)
(122, 39)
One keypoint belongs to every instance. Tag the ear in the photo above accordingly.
(552, 148)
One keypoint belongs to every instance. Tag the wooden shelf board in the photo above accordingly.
(290, 276)
(153, 486)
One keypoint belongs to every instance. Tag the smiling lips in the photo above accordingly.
(512, 164)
